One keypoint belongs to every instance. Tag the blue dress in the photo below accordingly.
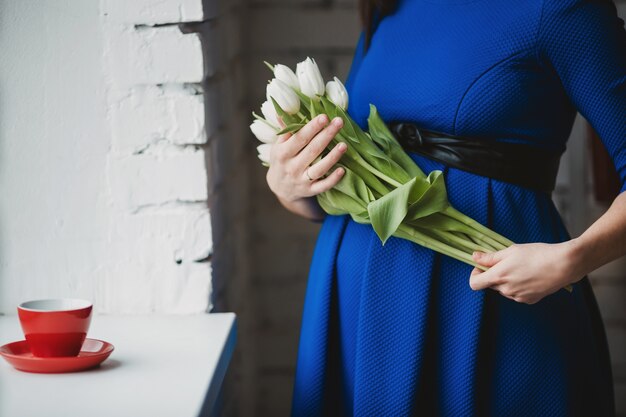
(395, 330)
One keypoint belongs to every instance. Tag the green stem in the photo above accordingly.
(356, 156)
(359, 159)
(412, 234)
(485, 246)
(489, 234)
(370, 179)
(460, 241)
(477, 241)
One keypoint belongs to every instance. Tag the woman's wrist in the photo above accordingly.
(306, 207)
(578, 258)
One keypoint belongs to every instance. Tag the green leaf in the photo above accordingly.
(415, 199)
(287, 118)
(388, 212)
(335, 202)
(329, 107)
(378, 130)
(312, 109)
(372, 182)
(290, 128)
(353, 186)
(381, 135)
(270, 66)
(429, 197)
(383, 159)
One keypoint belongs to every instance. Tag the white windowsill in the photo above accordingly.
(161, 366)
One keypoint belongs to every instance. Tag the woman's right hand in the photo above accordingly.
(292, 154)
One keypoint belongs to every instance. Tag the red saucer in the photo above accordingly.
(92, 354)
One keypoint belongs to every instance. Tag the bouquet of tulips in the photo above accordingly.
(382, 185)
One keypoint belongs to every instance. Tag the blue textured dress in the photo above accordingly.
(395, 330)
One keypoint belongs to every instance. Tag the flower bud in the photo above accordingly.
(264, 152)
(286, 75)
(286, 98)
(337, 93)
(263, 131)
(269, 112)
(310, 78)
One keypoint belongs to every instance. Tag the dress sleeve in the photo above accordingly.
(584, 43)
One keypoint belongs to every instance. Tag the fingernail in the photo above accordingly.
(342, 146)
(476, 254)
(322, 118)
(337, 121)
(340, 171)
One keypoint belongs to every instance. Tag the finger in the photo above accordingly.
(476, 271)
(320, 168)
(304, 135)
(500, 289)
(482, 280)
(327, 183)
(282, 138)
(317, 145)
(489, 258)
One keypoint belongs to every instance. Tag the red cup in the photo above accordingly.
(55, 327)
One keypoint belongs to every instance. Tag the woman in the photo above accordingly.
(399, 330)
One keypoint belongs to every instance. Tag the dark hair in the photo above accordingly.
(367, 9)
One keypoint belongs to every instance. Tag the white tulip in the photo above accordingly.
(286, 98)
(263, 131)
(264, 152)
(286, 75)
(310, 78)
(269, 112)
(337, 93)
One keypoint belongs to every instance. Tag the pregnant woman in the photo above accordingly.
(400, 330)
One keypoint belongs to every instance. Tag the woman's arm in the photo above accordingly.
(306, 207)
(583, 43)
(530, 271)
(604, 241)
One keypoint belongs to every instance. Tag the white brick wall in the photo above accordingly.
(157, 172)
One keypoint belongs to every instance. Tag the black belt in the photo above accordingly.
(519, 164)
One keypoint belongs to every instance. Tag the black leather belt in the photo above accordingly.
(520, 164)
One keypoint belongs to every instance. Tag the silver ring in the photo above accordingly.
(307, 174)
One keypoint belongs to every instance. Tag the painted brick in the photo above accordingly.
(156, 254)
(149, 114)
(187, 291)
(150, 12)
(153, 56)
(165, 176)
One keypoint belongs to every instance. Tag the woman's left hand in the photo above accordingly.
(527, 272)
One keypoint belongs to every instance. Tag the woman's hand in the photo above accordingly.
(290, 157)
(527, 272)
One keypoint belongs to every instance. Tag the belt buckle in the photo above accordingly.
(410, 133)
